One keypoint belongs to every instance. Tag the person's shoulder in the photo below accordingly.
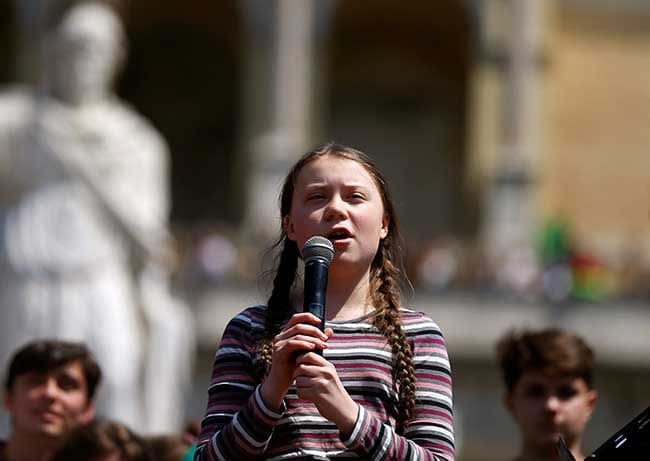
(253, 314)
(425, 337)
(18, 93)
(133, 121)
(129, 113)
(251, 319)
(415, 322)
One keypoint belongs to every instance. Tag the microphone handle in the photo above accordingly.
(315, 290)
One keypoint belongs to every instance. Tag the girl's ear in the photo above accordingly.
(287, 224)
(385, 221)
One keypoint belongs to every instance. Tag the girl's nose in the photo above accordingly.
(335, 209)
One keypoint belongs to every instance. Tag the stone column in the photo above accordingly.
(277, 115)
(509, 225)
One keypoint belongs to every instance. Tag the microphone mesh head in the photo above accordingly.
(318, 247)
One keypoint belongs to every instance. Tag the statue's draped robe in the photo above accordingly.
(83, 209)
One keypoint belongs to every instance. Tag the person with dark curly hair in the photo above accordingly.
(381, 388)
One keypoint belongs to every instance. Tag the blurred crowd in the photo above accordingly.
(556, 270)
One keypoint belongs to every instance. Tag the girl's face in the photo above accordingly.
(338, 199)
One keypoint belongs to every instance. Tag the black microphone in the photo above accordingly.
(317, 252)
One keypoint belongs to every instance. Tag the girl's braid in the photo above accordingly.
(278, 306)
(384, 293)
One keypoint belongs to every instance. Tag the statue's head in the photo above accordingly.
(84, 51)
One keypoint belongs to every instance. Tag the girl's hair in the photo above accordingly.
(387, 277)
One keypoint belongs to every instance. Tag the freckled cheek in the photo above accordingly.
(306, 215)
(304, 220)
(315, 216)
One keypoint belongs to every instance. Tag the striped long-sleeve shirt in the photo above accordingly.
(238, 425)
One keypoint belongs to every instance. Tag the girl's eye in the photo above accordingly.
(312, 197)
(357, 196)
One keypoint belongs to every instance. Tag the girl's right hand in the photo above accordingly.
(300, 334)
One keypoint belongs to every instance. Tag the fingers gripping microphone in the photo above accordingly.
(317, 254)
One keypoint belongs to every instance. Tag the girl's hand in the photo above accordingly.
(318, 382)
(301, 334)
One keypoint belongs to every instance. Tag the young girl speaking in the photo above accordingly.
(382, 387)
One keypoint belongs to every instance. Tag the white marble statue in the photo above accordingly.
(83, 212)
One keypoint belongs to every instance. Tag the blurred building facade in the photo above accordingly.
(492, 118)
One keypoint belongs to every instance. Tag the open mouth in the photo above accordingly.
(338, 234)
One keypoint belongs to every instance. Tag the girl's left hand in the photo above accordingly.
(317, 381)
